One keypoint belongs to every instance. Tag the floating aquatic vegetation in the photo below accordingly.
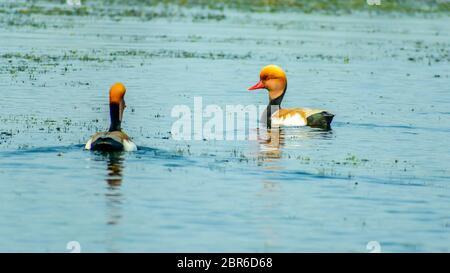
(115, 11)
(324, 6)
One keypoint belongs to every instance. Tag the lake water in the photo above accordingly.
(382, 174)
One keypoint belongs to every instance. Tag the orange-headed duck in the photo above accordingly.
(114, 139)
(274, 79)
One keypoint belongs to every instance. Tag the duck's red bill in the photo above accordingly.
(259, 85)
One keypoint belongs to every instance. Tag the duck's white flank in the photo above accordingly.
(288, 120)
(129, 146)
(88, 144)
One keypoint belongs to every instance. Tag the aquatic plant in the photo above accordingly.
(213, 10)
(306, 6)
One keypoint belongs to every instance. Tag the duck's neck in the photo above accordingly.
(274, 105)
(114, 112)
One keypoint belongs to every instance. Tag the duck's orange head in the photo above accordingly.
(116, 105)
(117, 93)
(272, 78)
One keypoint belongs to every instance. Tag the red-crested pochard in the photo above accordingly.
(114, 139)
(274, 79)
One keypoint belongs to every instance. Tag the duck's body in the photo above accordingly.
(114, 139)
(274, 80)
(111, 141)
(302, 117)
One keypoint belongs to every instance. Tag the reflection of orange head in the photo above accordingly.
(116, 93)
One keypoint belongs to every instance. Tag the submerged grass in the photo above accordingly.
(212, 10)
(306, 6)
(30, 66)
(115, 11)
(104, 56)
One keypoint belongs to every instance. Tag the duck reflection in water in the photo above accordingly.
(114, 197)
(270, 143)
(273, 141)
(115, 168)
(114, 175)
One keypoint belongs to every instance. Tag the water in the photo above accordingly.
(381, 174)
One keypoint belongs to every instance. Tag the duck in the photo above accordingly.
(274, 80)
(114, 139)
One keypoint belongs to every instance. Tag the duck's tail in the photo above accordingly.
(320, 120)
(107, 144)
